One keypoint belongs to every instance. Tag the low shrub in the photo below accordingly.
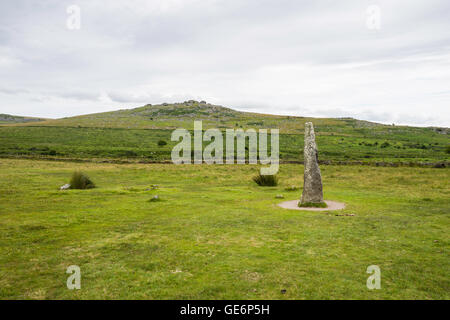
(155, 198)
(128, 153)
(81, 181)
(49, 153)
(266, 180)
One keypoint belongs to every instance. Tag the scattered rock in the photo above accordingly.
(65, 187)
(155, 198)
(345, 215)
(283, 291)
(279, 196)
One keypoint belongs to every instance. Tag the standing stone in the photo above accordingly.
(312, 189)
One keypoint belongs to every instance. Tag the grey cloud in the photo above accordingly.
(311, 57)
(13, 91)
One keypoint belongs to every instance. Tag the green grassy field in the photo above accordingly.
(216, 235)
(132, 135)
(417, 145)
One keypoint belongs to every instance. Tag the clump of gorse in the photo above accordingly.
(266, 180)
(81, 181)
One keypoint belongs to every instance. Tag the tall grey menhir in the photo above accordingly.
(312, 189)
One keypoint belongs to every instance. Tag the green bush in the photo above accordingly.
(161, 143)
(81, 181)
(385, 144)
(128, 153)
(447, 149)
(155, 198)
(266, 180)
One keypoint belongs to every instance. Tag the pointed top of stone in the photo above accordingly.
(309, 129)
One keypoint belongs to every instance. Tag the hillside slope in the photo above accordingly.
(7, 119)
(172, 116)
(143, 134)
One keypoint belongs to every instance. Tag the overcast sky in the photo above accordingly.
(307, 58)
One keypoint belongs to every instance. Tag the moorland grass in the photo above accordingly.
(312, 205)
(270, 180)
(337, 141)
(219, 236)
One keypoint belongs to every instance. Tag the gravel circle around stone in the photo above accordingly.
(293, 205)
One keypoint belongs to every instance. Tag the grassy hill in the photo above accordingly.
(182, 115)
(214, 233)
(7, 119)
(134, 134)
